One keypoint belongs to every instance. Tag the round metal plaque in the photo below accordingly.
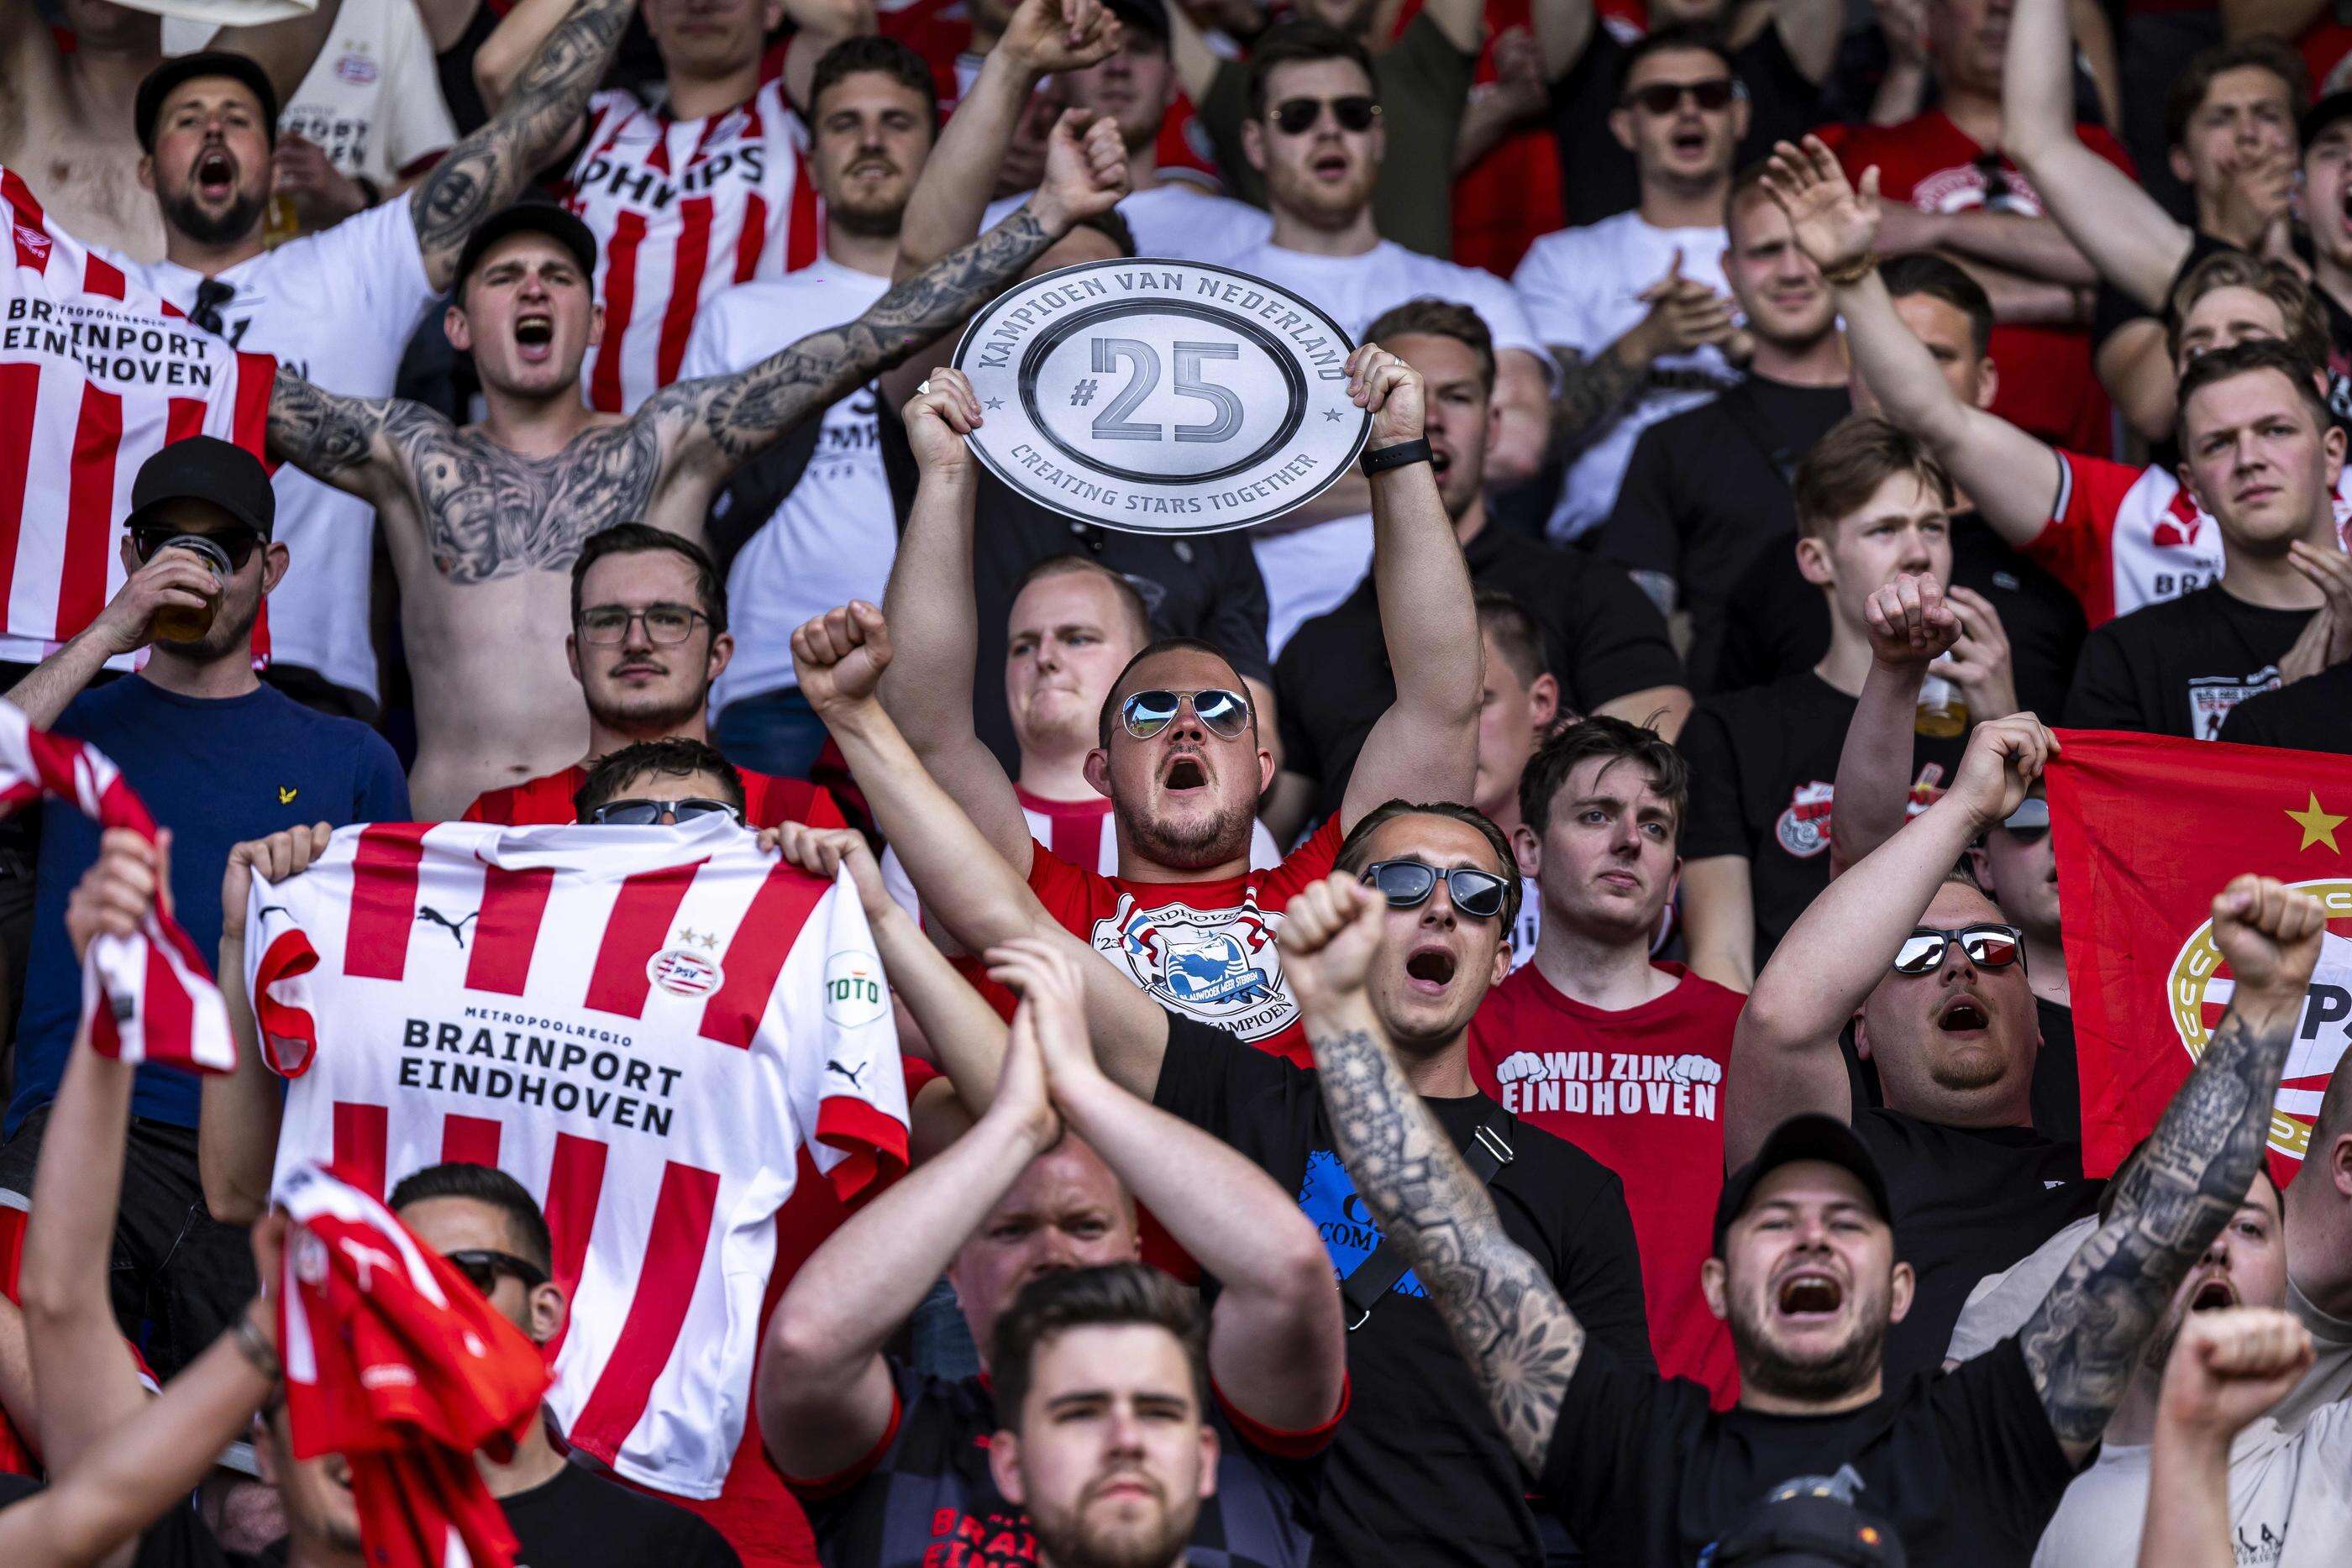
(1161, 397)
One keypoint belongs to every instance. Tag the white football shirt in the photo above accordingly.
(97, 373)
(681, 209)
(833, 538)
(644, 1026)
(338, 309)
(1177, 220)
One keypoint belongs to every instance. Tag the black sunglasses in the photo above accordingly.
(1476, 893)
(1145, 713)
(1989, 947)
(1296, 116)
(482, 1267)
(1664, 97)
(653, 813)
(237, 544)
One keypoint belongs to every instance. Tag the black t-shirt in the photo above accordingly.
(1602, 638)
(929, 1497)
(1763, 765)
(1418, 1471)
(1965, 1466)
(1197, 585)
(1705, 497)
(2313, 714)
(2057, 1080)
(1779, 623)
(582, 1520)
(1597, 175)
(2179, 665)
(1968, 1201)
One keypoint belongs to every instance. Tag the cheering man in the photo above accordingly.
(485, 522)
(1806, 1270)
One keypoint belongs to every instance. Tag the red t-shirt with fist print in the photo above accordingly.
(1642, 1091)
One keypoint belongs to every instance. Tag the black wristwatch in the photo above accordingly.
(1381, 460)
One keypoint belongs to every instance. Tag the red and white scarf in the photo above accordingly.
(147, 997)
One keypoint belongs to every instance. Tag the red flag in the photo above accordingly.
(2147, 829)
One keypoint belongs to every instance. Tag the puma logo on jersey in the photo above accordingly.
(855, 1074)
(456, 928)
(286, 794)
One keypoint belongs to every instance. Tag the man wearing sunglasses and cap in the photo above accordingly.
(1417, 1472)
(1935, 979)
(220, 759)
(1809, 1266)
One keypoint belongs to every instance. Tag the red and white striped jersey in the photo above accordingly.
(2124, 538)
(681, 209)
(96, 374)
(644, 1026)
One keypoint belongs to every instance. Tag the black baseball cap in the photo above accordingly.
(2336, 106)
(1810, 1136)
(1151, 16)
(208, 470)
(532, 215)
(158, 83)
(1805, 1530)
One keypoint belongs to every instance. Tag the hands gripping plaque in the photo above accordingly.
(1161, 397)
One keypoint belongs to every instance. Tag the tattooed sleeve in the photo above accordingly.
(2083, 1342)
(1521, 1341)
(1593, 390)
(329, 437)
(488, 169)
(734, 416)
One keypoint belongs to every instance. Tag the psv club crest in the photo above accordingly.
(1219, 966)
(2198, 991)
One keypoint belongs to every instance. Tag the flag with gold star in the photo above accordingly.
(2147, 829)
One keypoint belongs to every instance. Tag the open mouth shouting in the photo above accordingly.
(2214, 1294)
(534, 332)
(1807, 1294)
(1963, 1012)
(1429, 969)
(1184, 773)
(216, 173)
(1688, 141)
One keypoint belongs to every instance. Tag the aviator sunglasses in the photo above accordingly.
(1145, 713)
(653, 813)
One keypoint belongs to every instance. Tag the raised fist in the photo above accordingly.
(1520, 1067)
(1695, 1069)
(2270, 934)
(840, 655)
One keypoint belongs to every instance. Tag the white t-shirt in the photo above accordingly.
(336, 308)
(1579, 285)
(1310, 570)
(373, 99)
(835, 535)
(2290, 1500)
(1177, 220)
(646, 1027)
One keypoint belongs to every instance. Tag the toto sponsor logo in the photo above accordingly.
(1161, 397)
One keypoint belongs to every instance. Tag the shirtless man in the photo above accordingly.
(64, 117)
(484, 521)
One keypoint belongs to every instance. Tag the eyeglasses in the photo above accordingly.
(1404, 883)
(1145, 713)
(1662, 97)
(1989, 947)
(237, 544)
(1298, 116)
(482, 1267)
(654, 813)
(666, 624)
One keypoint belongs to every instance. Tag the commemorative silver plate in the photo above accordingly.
(1161, 397)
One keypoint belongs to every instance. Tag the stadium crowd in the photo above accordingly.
(622, 948)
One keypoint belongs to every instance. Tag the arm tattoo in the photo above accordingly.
(322, 435)
(488, 169)
(2083, 1342)
(738, 415)
(1593, 389)
(1521, 1341)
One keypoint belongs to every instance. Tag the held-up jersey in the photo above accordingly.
(644, 1026)
(97, 375)
(681, 209)
(2124, 538)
